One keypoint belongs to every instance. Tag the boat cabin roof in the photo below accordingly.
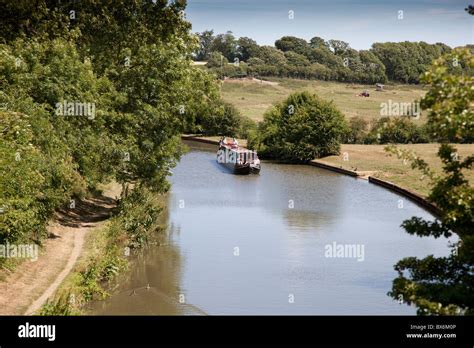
(238, 149)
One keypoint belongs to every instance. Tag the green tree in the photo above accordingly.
(373, 70)
(450, 99)
(93, 26)
(444, 285)
(206, 112)
(317, 42)
(294, 44)
(321, 72)
(157, 86)
(206, 39)
(272, 56)
(216, 60)
(297, 60)
(226, 44)
(246, 48)
(406, 61)
(324, 56)
(64, 78)
(299, 129)
(224, 120)
(338, 47)
(142, 90)
(55, 156)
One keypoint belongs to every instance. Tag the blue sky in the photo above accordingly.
(359, 22)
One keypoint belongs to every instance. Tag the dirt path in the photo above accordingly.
(26, 289)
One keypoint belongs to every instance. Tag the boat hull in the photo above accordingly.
(254, 169)
(242, 169)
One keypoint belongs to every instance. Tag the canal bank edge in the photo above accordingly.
(106, 254)
(414, 197)
(433, 209)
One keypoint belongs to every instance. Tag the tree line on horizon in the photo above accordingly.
(320, 59)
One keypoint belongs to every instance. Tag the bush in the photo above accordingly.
(230, 71)
(400, 130)
(224, 119)
(301, 128)
(216, 60)
(247, 127)
(358, 129)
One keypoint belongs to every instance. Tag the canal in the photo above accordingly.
(292, 240)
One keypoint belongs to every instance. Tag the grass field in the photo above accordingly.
(375, 160)
(253, 98)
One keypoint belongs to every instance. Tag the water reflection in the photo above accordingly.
(153, 283)
(250, 244)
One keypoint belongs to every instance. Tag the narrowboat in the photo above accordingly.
(237, 159)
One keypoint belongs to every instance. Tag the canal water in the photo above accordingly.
(292, 240)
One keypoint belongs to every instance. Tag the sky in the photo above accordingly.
(358, 22)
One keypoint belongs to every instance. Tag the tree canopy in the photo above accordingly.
(299, 129)
(444, 285)
(93, 91)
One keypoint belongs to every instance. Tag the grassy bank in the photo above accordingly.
(106, 252)
(376, 162)
(253, 98)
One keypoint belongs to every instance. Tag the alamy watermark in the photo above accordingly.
(28, 330)
(67, 108)
(225, 155)
(22, 251)
(392, 108)
(336, 250)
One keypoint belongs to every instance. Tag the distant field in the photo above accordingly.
(373, 159)
(253, 98)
